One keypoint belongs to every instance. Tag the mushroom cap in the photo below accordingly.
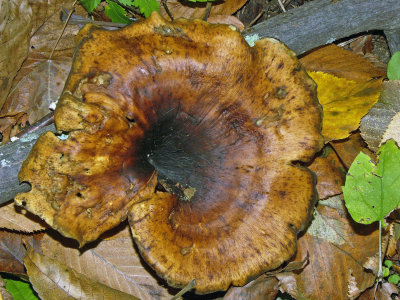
(194, 135)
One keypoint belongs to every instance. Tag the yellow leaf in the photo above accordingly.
(344, 102)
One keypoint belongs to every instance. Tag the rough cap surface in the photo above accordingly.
(193, 134)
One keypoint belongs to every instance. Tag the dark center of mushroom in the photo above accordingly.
(179, 148)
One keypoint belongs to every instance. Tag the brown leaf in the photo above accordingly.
(384, 292)
(54, 280)
(349, 148)
(338, 248)
(15, 218)
(12, 250)
(226, 19)
(15, 27)
(330, 173)
(341, 63)
(48, 27)
(113, 262)
(39, 81)
(187, 9)
(262, 288)
(38, 89)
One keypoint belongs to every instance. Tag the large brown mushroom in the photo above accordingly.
(193, 134)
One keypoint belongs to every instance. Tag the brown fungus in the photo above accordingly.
(193, 135)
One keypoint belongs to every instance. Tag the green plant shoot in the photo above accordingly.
(393, 69)
(372, 190)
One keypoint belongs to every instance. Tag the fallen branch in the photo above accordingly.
(322, 22)
(309, 26)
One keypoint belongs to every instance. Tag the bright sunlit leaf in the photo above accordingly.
(344, 103)
(393, 69)
(90, 5)
(116, 13)
(372, 190)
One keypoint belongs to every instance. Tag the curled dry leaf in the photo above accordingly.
(15, 28)
(188, 9)
(336, 245)
(54, 280)
(113, 262)
(220, 147)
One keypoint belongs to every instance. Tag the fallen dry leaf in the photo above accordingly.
(38, 89)
(349, 148)
(113, 262)
(383, 120)
(54, 280)
(261, 288)
(226, 19)
(341, 63)
(17, 219)
(384, 292)
(330, 173)
(39, 80)
(187, 9)
(12, 250)
(338, 248)
(15, 27)
(344, 103)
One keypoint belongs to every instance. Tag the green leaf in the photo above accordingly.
(388, 263)
(201, 0)
(393, 69)
(147, 6)
(20, 290)
(372, 191)
(385, 272)
(116, 13)
(127, 2)
(90, 5)
(394, 279)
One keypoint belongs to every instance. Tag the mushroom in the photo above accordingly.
(192, 134)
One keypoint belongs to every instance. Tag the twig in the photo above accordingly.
(255, 19)
(207, 11)
(164, 4)
(62, 32)
(187, 288)
(281, 5)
